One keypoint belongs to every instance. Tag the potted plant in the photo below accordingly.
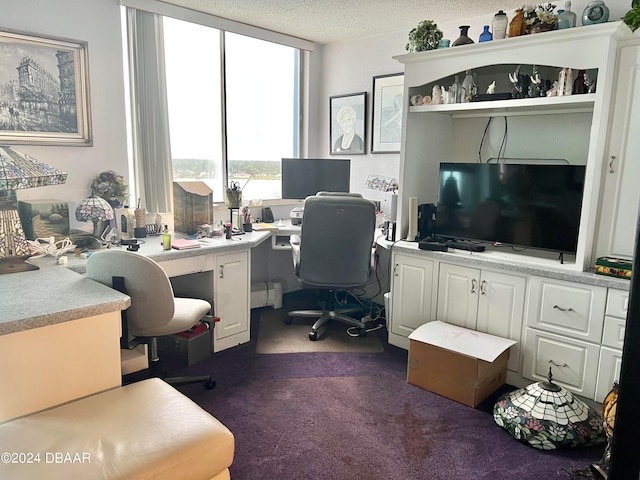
(632, 17)
(425, 36)
(540, 18)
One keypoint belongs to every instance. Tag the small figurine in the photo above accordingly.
(491, 89)
(436, 95)
(416, 100)
(590, 83)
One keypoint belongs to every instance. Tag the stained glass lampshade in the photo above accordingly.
(546, 416)
(97, 210)
(17, 171)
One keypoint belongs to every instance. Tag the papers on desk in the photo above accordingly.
(183, 244)
(271, 227)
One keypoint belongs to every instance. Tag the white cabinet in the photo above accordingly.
(483, 300)
(231, 299)
(564, 330)
(612, 342)
(620, 192)
(412, 290)
(570, 127)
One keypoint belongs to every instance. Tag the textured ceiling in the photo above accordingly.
(325, 21)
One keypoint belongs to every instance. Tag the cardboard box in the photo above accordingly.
(457, 363)
(188, 347)
(44, 219)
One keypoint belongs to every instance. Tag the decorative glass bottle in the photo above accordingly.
(499, 25)
(566, 18)
(456, 91)
(463, 39)
(518, 24)
(486, 35)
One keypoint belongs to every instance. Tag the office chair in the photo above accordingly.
(334, 252)
(154, 310)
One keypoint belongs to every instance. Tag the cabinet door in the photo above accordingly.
(231, 300)
(412, 296)
(619, 211)
(501, 309)
(458, 289)
(608, 371)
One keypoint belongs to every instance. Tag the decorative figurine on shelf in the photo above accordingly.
(491, 89)
(536, 81)
(590, 83)
(436, 95)
(520, 83)
(565, 82)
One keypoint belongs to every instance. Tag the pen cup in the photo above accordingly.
(247, 227)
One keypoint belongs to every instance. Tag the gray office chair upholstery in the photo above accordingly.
(154, 310)
(334, 252)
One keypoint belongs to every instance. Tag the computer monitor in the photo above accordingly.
(303, 177)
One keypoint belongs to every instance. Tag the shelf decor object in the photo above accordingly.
(463, 39)
(425, 36)
(541, 18)
(17, 171)
(595, 12)
(518, 24)
(499, 25)
(546, 416)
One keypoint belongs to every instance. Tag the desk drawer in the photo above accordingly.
(187, 265)
(617, 303)
(567, 308)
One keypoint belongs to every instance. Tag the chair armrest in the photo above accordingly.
(294, 241)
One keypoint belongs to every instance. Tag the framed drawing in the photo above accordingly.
(386, 122)
(44, 90)
(347, 124)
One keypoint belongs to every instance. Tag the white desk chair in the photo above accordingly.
(154, 310)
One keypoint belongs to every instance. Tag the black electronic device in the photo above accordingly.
(433, 246)
(267, 215)
(304, 177)
(513, 204)
(426, 220)
(471, 247)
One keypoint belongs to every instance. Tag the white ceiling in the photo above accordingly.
(325, 21)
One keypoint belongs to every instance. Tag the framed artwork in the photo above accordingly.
(386, 122)
(44, 90)
(347, 124)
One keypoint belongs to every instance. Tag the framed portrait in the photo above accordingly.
(386, 121)
(44, 90)
(347, 124)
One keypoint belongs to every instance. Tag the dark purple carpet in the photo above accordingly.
(353, 416)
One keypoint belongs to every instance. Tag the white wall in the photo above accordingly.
(98, 23)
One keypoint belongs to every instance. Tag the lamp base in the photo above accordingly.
(16, 264)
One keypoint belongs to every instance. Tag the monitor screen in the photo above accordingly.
(536, 206)
(303, 177)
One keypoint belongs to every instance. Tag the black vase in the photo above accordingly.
(463, 39)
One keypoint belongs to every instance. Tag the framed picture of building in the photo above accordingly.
(44, 90)
(347, 127)
(386, 121)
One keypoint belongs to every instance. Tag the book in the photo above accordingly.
(265, 227)
(183, 244)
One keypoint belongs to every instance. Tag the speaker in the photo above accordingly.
(426, 220)
(267, 215)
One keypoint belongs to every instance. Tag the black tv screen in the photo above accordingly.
(535, 206)
(303, 177)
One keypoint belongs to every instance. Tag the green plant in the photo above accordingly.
(111, 187)
(632, 17)
(425, 36)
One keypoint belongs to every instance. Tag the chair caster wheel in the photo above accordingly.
(313, 336)
(288, 320)
(210, 385)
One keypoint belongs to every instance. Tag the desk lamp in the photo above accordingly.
(97, 210)
(19, 170)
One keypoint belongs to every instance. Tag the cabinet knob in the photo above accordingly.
(558, 307)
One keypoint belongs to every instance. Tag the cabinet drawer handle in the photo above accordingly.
(221, 271)
(556, 364)
(558, 307)
(395, 270)
(473, 285)
(613, 159)
(483, 287)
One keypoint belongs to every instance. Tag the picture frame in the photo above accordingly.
(386, 120)
(44, 90)
(347, 124)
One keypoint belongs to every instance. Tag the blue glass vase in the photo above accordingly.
(486, 35)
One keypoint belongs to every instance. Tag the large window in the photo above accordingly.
(261, 100)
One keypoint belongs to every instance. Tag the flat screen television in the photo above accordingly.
(303, 177)
(532, 206)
